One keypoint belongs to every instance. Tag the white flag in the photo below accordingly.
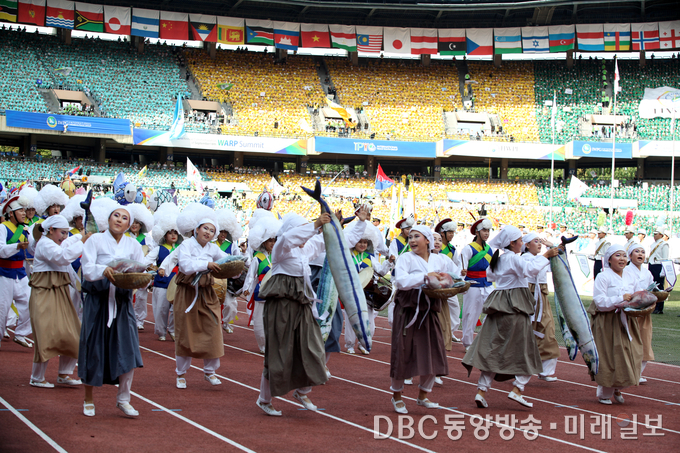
(617, 77)
(576, 188)
(275, 187)
(194, 176)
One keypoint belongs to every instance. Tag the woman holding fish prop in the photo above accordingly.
(294, 351)
(417, 341)
(54, 320)
(109, 344)
(641, 279)
(197, 308)
(616, 336)
(506, 346)
(542, 321)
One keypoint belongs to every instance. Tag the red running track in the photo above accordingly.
(225, 418)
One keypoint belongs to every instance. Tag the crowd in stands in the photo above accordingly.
(269, 97)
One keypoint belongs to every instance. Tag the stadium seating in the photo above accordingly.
(405, 101)
(289, 88)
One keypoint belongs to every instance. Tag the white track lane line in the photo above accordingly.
(35, 429)
(323, 413)
(552, 403)
(194, 424)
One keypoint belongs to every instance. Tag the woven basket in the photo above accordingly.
(230, 269)
(132, 280)
(661, 295)
(446, 292)
(641, 313)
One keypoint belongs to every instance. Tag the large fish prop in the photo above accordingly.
(640, 300)
(571, 314)
(327, 293)
(90, 224)
(344, 272)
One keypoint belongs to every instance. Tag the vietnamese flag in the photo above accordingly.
(315, 35)
(174, 26)
(32, 12)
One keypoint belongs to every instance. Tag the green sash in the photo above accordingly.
(481, 254)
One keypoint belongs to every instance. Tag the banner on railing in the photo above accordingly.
(67, 123)
(389, 148)
(660, 103)
(503, 150)
(601, 150)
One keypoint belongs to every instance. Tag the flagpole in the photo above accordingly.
(552, 155)
(611, 201)
(670, 207)
(311, 203)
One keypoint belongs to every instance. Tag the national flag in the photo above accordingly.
(343, 37)
(397, 40)
(669, 34)
(344, 114)
(315, 35)
(616, 37)
(59, 14)
(145, 23)
(507, 40)
(424, 41)
(177, 128)
(9, 10)
(230, 30)
(590, 37)
(562, 37)
(535, 40)
(89, 17)
(203, 27)
(479, 41)
(382, 182)
(369, 39)
(142, 174)
(117, 20)
(617, 77)
(73, 171)
(32, 12)
(193, 175)
(174, 26)
(576, 188)
(645, 36)
(260, 32)
(225, 86)
(286, 35)
(452, 41)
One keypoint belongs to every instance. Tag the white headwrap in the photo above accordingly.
(212, 222)
(265, 229)
(528, 238)
(427, 232)
(290, 221)
(634, 246)
(55, 221)
(505, 237)
(611, 251)
(125, 208)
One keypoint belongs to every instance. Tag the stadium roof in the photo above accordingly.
(428, 13)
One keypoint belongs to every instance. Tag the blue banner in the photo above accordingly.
(602, 150)
(375, 147)
(68, 123)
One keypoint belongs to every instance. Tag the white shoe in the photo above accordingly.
(139, 328)
(438, 380)
(212, 379)
(181, 382)
(408, 381)
(161, 338)
(172, 335)
(642, 380)
(481, 401)
(6, 335)
(268, 408)
(427, 403)
(618, 397)
(22, 342)
(520, 399)
(467, 348)
(606, 401)
(88, 409)
(328, 373)
(547, 378)
(227, 328)
(127, 409)
(43, 384)
(350, 351)
(455, 339)
(69, 381)
(363, 350)
(399, 406)
(304, 400)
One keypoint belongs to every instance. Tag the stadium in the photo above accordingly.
(534, 113)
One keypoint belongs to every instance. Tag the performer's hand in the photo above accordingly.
(86, 237)
(338, 215)
(161, 272)
(463, 273)
(551, 252)
(246, 294)
(322, 220)
(362, 213)
(392, 259)
(108, 273)
(627, 297)
(22, 245)
(214, 267)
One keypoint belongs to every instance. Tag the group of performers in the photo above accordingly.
(74, 309)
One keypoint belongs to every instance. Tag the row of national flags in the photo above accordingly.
(368, 39)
